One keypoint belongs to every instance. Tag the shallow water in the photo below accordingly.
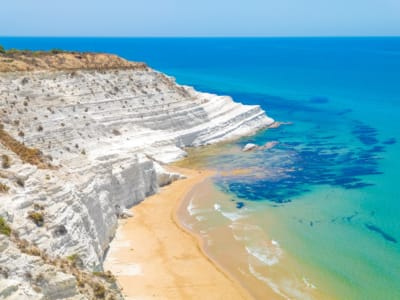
(318, 214)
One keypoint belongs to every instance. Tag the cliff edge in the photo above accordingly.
(20, 60)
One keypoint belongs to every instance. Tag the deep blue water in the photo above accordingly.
(331, 182)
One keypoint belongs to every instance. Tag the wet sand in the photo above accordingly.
(154, 257)
(219, 242)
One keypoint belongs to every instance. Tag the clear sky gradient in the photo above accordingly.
(199, 18)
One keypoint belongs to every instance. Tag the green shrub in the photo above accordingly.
(12, 51)
(73, 258)
(4, 228)
(2, 50)
(56, 51)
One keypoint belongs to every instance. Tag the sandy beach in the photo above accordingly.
(153, 257)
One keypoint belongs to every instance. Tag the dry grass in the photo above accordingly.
(28, 155)
(5, 161)
(4, 188)
(23, 60)
(96, 285)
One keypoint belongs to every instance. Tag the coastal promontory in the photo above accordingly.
(83, 137)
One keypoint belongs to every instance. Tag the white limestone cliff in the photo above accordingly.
(107, 132)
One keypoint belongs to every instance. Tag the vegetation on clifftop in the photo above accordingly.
(12, 52)
(12, 60)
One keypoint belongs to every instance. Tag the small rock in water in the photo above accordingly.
(239, 205)
(249, 147)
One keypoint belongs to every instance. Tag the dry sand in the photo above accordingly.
(153, 257)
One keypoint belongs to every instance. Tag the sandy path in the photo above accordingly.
(154, 258)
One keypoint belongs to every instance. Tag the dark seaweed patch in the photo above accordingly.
(390, 141)
(313, 162)
(311, 152)
(358, 185)
(319, 100)
(385, 235)
(366, 134)
(351, 217)
(343, 112)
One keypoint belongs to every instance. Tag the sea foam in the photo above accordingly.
(267, 254)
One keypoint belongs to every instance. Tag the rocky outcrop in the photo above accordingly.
(105, 134)
(251, 147)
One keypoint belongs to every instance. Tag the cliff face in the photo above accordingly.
(102, 134)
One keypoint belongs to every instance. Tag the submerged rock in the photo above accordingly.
(249, 147)
(270, 145)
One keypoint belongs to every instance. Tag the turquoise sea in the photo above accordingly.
(322, 207)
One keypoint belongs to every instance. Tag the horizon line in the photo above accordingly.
(205, 37)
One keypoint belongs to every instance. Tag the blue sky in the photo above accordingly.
(200, 18)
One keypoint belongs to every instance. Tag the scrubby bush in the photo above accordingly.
(37, 206)
(2, 50)
(13, 51)
(99, 290)
(36, 217)
(5, 161)
(73, 257)
(4, 228)
(56, 51)
(4, 188)
(105, 275)
(20, 182)
(116, 132)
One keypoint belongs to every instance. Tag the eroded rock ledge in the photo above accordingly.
(104, 126)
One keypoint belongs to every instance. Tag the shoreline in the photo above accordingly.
(256, 288)
(153, 256)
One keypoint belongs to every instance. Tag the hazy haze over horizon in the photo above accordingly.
(179, 18)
